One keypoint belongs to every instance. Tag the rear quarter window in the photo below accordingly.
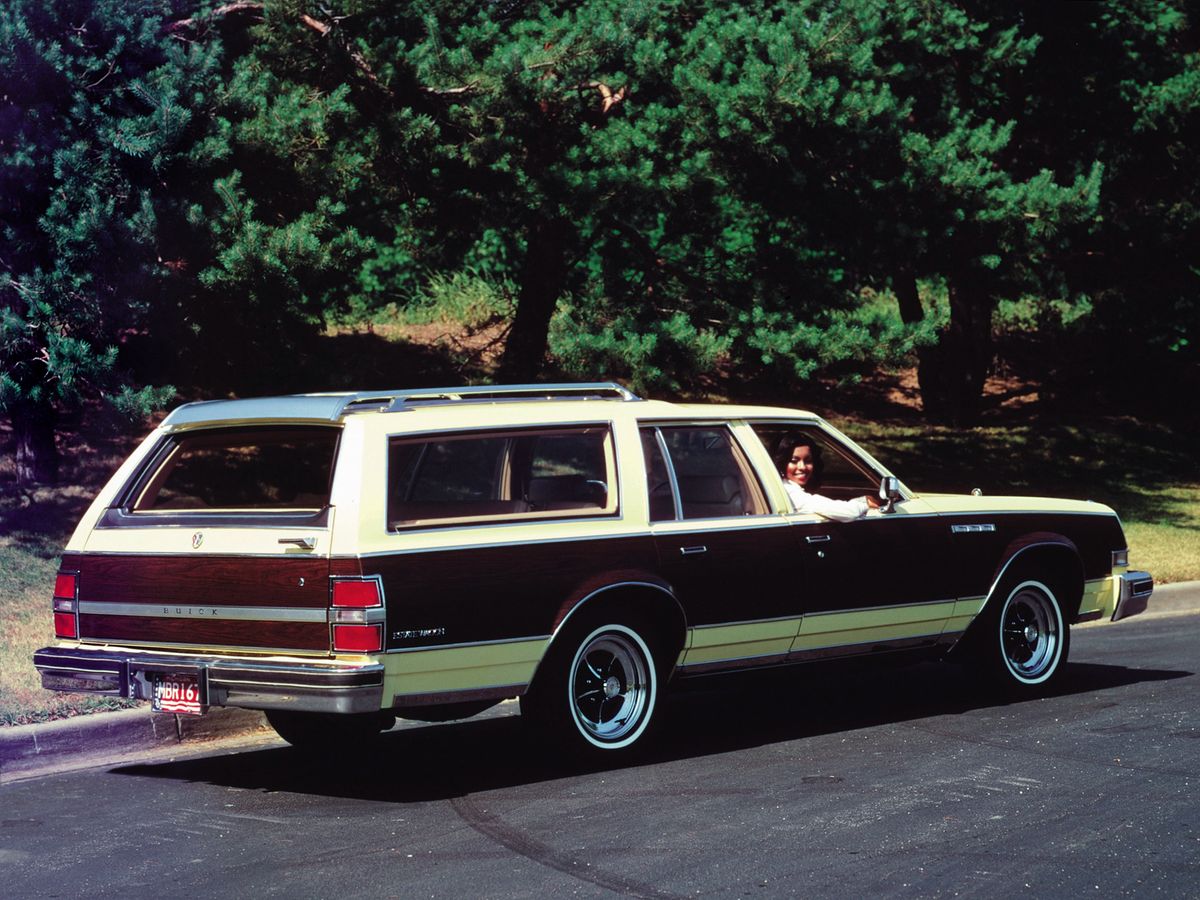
(499, 476)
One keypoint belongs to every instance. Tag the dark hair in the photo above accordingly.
(788, 445)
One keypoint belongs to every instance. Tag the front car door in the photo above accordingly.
(876, 583)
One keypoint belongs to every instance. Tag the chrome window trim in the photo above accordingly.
(742, 457)
(611, 460)
(640, 532)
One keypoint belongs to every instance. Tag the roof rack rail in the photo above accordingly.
(393, 401)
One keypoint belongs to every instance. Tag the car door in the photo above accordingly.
(879, 582)
(727, 555)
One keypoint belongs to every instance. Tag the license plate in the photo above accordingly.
(176, 694)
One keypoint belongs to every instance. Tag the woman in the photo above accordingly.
(802, 474)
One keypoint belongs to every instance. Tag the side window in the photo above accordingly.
(712, 476)
(842, 475)
(458, 479)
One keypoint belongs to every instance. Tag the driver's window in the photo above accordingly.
(843, 476)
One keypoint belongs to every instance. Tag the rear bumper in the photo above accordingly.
(249, 684)
(1133, 594)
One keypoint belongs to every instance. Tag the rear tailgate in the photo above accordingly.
(212, 597)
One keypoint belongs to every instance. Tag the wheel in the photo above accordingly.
(598, 690)
(326, 731)
(1026, 641)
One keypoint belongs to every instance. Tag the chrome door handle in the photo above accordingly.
(693, 551)
(304, 543)
(817, 538)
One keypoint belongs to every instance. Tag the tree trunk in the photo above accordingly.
(543, 277)
(951, 373)
(33, 437)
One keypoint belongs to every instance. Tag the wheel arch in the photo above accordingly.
(1052, 558)
(646, 596)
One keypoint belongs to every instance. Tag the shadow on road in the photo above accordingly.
(720, 715)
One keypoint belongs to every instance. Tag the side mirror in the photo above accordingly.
(889, 493)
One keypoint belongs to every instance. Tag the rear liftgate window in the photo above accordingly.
(237, 469)
(513, 475)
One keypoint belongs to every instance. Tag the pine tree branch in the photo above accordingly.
(220, 12)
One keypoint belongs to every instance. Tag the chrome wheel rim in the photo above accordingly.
(612, 687)
(1030, 634)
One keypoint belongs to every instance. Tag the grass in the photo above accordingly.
(1145, 471)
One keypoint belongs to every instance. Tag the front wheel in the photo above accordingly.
(1026, 641)
(599, 690)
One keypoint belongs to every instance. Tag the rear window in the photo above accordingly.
(262, 469)
(455, 479)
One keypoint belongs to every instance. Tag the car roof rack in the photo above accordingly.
(411, 398)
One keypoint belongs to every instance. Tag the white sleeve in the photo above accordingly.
(826, 507)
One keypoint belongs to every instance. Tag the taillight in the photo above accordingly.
(66, 589)
(356, 614)
(357, 593)
(358, 638)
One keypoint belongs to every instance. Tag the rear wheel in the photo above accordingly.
(598, 691)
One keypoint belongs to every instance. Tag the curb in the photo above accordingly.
(27, 750)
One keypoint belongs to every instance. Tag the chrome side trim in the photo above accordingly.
(972, 529)
(491, 643)
(191, 611)
(433, 698)
(867, 609)
(720, 665)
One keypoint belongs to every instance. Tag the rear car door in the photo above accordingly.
(726, 553)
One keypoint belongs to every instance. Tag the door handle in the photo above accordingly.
(304, 543)
(693, 551)
(817, 538)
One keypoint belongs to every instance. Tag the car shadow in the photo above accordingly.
(422, 763)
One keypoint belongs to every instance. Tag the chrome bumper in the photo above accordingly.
(250, 684)
(1134, 590)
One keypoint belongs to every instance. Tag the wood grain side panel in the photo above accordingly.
(496, 593)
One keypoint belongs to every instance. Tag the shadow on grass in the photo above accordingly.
(444, 762)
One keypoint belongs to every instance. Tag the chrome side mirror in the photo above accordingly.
(889, 493)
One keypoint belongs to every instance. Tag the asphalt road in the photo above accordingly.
(901, 783)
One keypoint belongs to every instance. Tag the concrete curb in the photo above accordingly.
(28, 749)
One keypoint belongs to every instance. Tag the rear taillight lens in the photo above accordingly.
(356, 614)
(66, 589)
(358, 638)
(356, 593)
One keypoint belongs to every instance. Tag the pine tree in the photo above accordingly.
(96, 102)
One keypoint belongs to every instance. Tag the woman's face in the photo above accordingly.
(800, 467)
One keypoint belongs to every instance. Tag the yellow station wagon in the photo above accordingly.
(338, 560)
